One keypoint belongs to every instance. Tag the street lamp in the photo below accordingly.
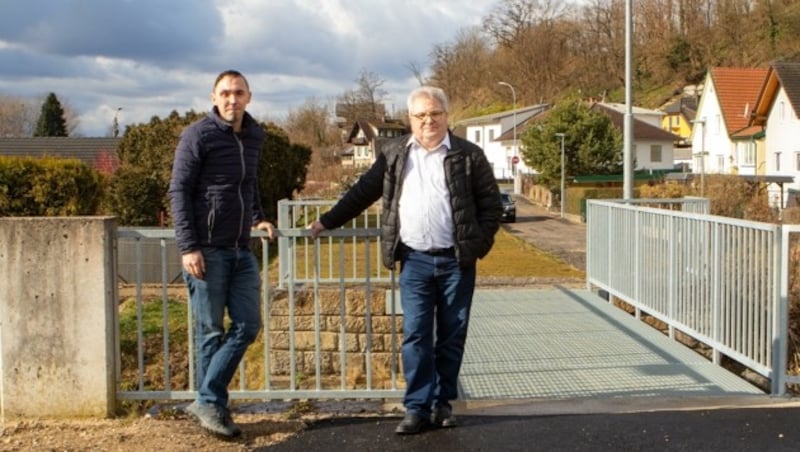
(702, 154)
(115, 125)
(517, 180)
(563, 192)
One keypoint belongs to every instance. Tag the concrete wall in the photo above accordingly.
(58, 320)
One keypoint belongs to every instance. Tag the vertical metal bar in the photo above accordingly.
(292, 358)
(283, 242)
(368, 311)
(265, 305)
(342, 318)
(317, 325)
(780, 309)
(715, 279)
(305, 243)
(139, 321)
(165, 315)
(393, 328)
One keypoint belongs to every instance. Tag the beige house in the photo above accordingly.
(366, 138)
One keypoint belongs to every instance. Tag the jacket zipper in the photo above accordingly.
(241, 181)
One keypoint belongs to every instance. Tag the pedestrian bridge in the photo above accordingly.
(716, 282)
(566, 343)
(332, 326)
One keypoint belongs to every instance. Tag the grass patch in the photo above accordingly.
(513, 257)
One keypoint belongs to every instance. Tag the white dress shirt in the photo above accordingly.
(426, 218)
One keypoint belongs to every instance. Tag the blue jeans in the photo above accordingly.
(434, 290)
(231, 281)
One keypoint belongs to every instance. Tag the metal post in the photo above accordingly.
(702, 154)
(627, 149)
(517, 180)
(563, 189)
(115, 124)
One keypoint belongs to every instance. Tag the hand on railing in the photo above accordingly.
(267, 227)
(316, 228)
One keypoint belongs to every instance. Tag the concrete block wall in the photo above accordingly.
(58, 319)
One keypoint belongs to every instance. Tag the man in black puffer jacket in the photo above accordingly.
(441, 208)
(215, 203)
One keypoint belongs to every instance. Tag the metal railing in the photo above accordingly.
(300, 213)
(721, 281)
(318, 341)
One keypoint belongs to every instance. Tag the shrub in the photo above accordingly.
(49, 187)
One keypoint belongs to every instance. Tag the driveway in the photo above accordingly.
(549, 232)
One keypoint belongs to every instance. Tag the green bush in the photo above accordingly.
(48, 187)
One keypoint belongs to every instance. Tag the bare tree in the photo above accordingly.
(417, 72)
(17, 116)
(465, 69)
(365, 101)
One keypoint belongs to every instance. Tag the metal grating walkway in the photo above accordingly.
(563, 343)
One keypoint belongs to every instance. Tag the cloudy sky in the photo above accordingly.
(150, 57)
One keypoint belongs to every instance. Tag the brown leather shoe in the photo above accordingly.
(412, 424)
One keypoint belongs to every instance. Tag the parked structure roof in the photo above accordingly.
(86, 149)
(641, 129)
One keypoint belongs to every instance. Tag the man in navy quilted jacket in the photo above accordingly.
(215, 203)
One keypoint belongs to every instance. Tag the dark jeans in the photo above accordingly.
(232, 282)
(436, 296)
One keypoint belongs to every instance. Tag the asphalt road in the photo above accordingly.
(747, 429)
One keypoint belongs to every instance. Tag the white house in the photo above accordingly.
(653, 147)
(776, 110)
(723, 140)
(490, 132)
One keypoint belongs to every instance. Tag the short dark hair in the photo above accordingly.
(230, 73)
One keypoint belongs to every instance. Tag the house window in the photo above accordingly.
(797, 161)
(782, 110)
(655, 153)
(749, 154)
(777, 161)
(720, 163)
(717, 124)
(478, 136)
(491, 134)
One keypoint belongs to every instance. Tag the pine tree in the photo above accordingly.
(51, 120)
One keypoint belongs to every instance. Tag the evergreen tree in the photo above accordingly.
(51, 120)
(592, 145)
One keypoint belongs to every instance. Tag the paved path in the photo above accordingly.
(549, 232)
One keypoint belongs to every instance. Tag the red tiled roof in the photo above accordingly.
(737, 92)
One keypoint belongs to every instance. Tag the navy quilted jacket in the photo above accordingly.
(214, 189)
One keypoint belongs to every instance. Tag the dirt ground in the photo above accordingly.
(167, 428)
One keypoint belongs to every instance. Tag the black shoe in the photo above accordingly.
(228, 420)
(213, 419)
(443, 416)
(412, 424)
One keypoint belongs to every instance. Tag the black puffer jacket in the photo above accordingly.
(214, 189)
(474, 198)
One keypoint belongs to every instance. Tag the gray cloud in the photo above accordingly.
(148, 30)
(154, 56)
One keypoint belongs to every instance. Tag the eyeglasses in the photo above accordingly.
(434, 115)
